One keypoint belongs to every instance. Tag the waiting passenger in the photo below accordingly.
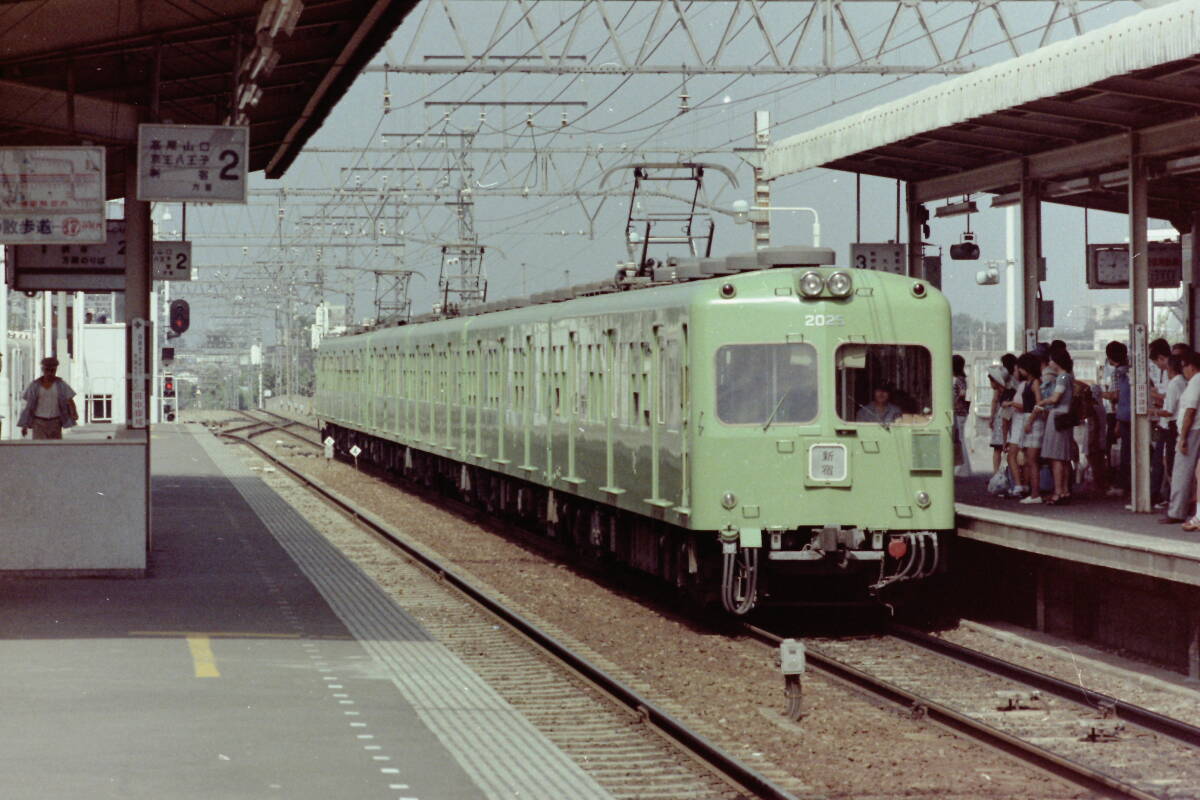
(881, 409)
(1055, 403)
(1025, 440)
(1187, 446)
(49, 406)
(1120, 396)
(1166, 434)
(1001, 415)
(1097, 439)
(962, 409)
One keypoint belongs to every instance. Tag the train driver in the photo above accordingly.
(881, 409)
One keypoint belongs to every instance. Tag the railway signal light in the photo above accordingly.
(168, 386)
(180, 316)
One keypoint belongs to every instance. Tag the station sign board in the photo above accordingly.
(52, 195)
(90, 267)
(1108, 265)
(171, 260)
(193, 163)
(883, 256)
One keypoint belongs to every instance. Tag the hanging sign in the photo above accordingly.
(91, 267)
(172, 260)
(193, 163)
(51, 195)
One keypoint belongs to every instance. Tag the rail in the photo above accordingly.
(1081, 775)
(730, 769)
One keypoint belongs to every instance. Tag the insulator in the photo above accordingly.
(387, 101)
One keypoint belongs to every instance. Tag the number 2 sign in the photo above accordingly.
(193, 163)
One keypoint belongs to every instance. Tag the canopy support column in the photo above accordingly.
(1191, 281)
(1139, 291)
(916, 252)
(1031, 258)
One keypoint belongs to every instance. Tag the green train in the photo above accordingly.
(762, 429)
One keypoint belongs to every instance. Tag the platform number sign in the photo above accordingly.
(193, 163)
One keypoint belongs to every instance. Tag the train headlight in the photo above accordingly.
(729, 500)
(839, 284)
(923, 499)
(811, 284)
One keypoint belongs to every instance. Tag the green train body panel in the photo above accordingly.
(614, 398)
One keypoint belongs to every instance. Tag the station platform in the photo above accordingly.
(253, 660)
(1092, 571)
(1098, 531)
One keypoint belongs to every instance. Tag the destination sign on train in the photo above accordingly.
(193, 163)
(51, 195)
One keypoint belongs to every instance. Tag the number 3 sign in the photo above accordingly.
(193, 163)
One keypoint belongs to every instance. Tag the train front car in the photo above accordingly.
(822, 419)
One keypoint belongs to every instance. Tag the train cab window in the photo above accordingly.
(760, 384)
(888, 384)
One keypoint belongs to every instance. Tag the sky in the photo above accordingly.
(535, 242)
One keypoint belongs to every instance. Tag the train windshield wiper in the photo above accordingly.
(778, 405)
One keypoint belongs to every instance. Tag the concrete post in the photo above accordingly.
(916, 253)
(8, 420)
(61, 349)
(1139, 288)
(1191, 282)
(1031, 258)
(137, 277)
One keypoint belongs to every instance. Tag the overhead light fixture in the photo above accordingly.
(1007, 199)
(956, 209)
(966, 250)
(279, 16)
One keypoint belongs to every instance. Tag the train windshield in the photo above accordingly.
(887, 384)
(766, 384)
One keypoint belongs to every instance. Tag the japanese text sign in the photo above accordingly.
(51, 195)
(193, 163)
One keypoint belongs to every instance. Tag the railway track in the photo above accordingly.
(618, 752)
(1109, 747)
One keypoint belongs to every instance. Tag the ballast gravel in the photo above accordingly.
(729, 689)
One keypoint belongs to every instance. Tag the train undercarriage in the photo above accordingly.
(710, 568)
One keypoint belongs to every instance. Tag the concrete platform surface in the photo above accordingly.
(1097, 531)
(254, 661)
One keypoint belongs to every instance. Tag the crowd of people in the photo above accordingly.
(1052, 431)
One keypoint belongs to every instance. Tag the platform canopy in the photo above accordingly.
(1062, 114)
(76, 71)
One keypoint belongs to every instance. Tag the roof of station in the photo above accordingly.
(1063, 111)
(75, 71)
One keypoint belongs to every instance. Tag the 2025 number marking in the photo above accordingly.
(824, 320)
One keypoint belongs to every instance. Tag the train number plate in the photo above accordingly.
(827, 462)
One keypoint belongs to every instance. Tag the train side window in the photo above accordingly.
(884, 383)
(764, 384)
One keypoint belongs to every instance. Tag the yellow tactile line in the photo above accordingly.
(203, 660)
